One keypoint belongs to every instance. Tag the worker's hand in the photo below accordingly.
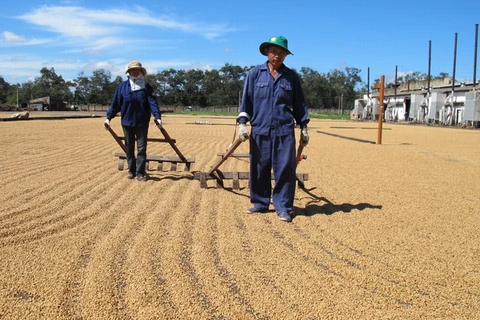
(243, 132)
(106, 124)
(304, 137)
(158, 123)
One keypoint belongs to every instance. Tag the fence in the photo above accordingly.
(92, 108)
(213, 109)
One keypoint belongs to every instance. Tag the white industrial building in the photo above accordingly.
(443, 104)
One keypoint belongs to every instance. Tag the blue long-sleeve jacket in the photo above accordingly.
(135, 107)
(269, 103)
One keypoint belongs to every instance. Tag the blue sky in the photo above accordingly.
(74, 36)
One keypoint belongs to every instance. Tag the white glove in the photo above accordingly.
(304, 137)
(158, 123)
(243, 132)
(106, 124)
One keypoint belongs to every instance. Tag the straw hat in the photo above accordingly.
(277, 41)
(136, 64)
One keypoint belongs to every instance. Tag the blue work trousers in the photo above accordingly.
(269, 152)
(136, 135)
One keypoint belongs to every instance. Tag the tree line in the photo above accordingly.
(222, 87)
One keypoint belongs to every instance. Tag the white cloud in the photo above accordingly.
(11, 39)
(84, 24)
(75, 32)
(18, 62)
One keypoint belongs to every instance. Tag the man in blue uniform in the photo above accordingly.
(273, 103)
(135, 101)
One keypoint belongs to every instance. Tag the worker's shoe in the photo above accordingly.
(142, 178)
(130, 175)
(284, 216)
(256, 209)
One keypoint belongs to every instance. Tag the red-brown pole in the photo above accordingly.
(380, 115)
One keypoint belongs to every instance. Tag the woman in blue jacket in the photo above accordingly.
(135, 101)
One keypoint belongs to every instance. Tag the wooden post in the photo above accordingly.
(380, 114)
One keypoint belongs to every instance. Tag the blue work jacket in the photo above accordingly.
(135, 107)
(273, 104)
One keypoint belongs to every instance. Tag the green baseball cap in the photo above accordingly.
(277, 41)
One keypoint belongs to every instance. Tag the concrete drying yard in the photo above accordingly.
(385, 231)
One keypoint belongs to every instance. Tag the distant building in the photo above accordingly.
(440, 103)
(47, 104)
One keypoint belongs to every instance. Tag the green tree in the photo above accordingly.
(343, 86)
(211, 88)
(442, 75)
(316, 89)
(160, 84)
(15, 95)
(27, 90)
(194, 79)
(4, 90)
(352, 87)
(231, 81)
(82, 89)
(101, 90)
(411, 76)
(176, 83)
(51, 84)
(113, 86)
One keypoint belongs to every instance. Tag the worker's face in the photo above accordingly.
(135, 72)
(276, 55)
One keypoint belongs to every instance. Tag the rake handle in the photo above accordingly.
(116, 137)
(225, 156)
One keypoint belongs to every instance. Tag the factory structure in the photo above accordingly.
(439, 101)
